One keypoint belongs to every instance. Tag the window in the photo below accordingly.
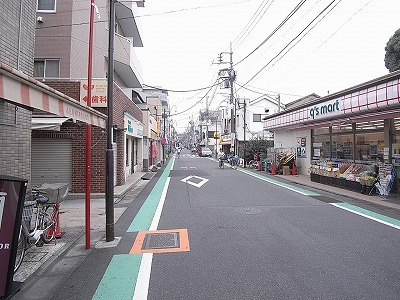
(46, 5)
(47, 68)
(256, 117)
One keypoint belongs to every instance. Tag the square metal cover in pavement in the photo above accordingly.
(161, 241)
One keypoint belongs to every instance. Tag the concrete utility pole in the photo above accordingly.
(110, 150)
(244, 132)
(231, 76)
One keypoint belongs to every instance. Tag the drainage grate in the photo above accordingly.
(161, 240)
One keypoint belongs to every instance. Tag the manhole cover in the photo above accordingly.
(248, 210)
(161, 240)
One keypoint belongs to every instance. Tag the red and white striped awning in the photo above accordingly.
(19, 88)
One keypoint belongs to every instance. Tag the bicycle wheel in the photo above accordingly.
(48, 223)
(21, 247)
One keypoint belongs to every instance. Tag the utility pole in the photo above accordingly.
(164, 139)
(229, 74)
(244, 132)
(110, 150)
(233, 108)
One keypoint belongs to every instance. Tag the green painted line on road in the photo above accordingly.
(369, 214)
(281, 184)
(144, 217)
(119, 280)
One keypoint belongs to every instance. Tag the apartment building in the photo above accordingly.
(61, 61)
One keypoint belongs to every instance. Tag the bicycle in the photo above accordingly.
(221, 162)
(46, 218)
(233, 161)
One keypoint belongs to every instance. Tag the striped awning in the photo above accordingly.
(24, 90)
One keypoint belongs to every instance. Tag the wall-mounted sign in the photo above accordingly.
(301, 147)
(99, 93)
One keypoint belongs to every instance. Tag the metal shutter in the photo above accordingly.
(51, 161)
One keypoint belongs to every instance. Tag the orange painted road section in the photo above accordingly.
(183, 242)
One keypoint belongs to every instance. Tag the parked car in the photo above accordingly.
(205, 151)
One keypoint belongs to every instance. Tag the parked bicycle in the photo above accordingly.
(46, 212)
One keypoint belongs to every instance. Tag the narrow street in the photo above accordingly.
(224, 234)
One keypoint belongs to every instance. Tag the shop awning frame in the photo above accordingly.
(23, 90)
(48, 123)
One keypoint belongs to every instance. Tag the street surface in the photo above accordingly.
(200, 232)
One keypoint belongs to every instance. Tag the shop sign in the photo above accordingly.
(12, 196)
(325, 109)
(132, 126)
(99, 93)
(301, 147)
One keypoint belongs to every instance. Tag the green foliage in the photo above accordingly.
(392, 56)
(258, 146)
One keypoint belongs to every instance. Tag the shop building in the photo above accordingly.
(20, 93)
(344, 134)
(61, 60)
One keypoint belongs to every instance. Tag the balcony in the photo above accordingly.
(126, 63)
(125, 15)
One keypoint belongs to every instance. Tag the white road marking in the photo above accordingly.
(143, 280)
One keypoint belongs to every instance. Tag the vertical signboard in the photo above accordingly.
(12, 196)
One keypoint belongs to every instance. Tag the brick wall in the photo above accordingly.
(77, 132)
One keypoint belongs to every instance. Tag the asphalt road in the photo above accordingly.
(247, 238)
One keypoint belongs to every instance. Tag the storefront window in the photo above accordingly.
(321, 146)
(369, 146)
(342, 147)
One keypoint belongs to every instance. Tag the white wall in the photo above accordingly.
(288, 139)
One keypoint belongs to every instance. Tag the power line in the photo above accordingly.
(301, 32)
(240, 39)
(297, 7)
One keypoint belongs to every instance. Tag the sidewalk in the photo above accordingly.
(72, 224)
(392, 201)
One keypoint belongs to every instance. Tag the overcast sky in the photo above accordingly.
(344, 46)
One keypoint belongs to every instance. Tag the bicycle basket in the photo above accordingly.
(27, 212)
(56, 192)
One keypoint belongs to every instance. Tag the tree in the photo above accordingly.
(392, 56)
(258, 146)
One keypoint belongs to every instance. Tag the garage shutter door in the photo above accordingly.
(51, 161)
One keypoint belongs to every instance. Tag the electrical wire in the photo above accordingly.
(307, 32)
(301, 32)
(197, 102)
(243, 36)
(297, 7)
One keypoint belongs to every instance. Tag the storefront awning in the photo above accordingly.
(18, 88)
(225, 142)
(43, 123)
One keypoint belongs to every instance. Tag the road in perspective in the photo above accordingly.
(197, 231)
